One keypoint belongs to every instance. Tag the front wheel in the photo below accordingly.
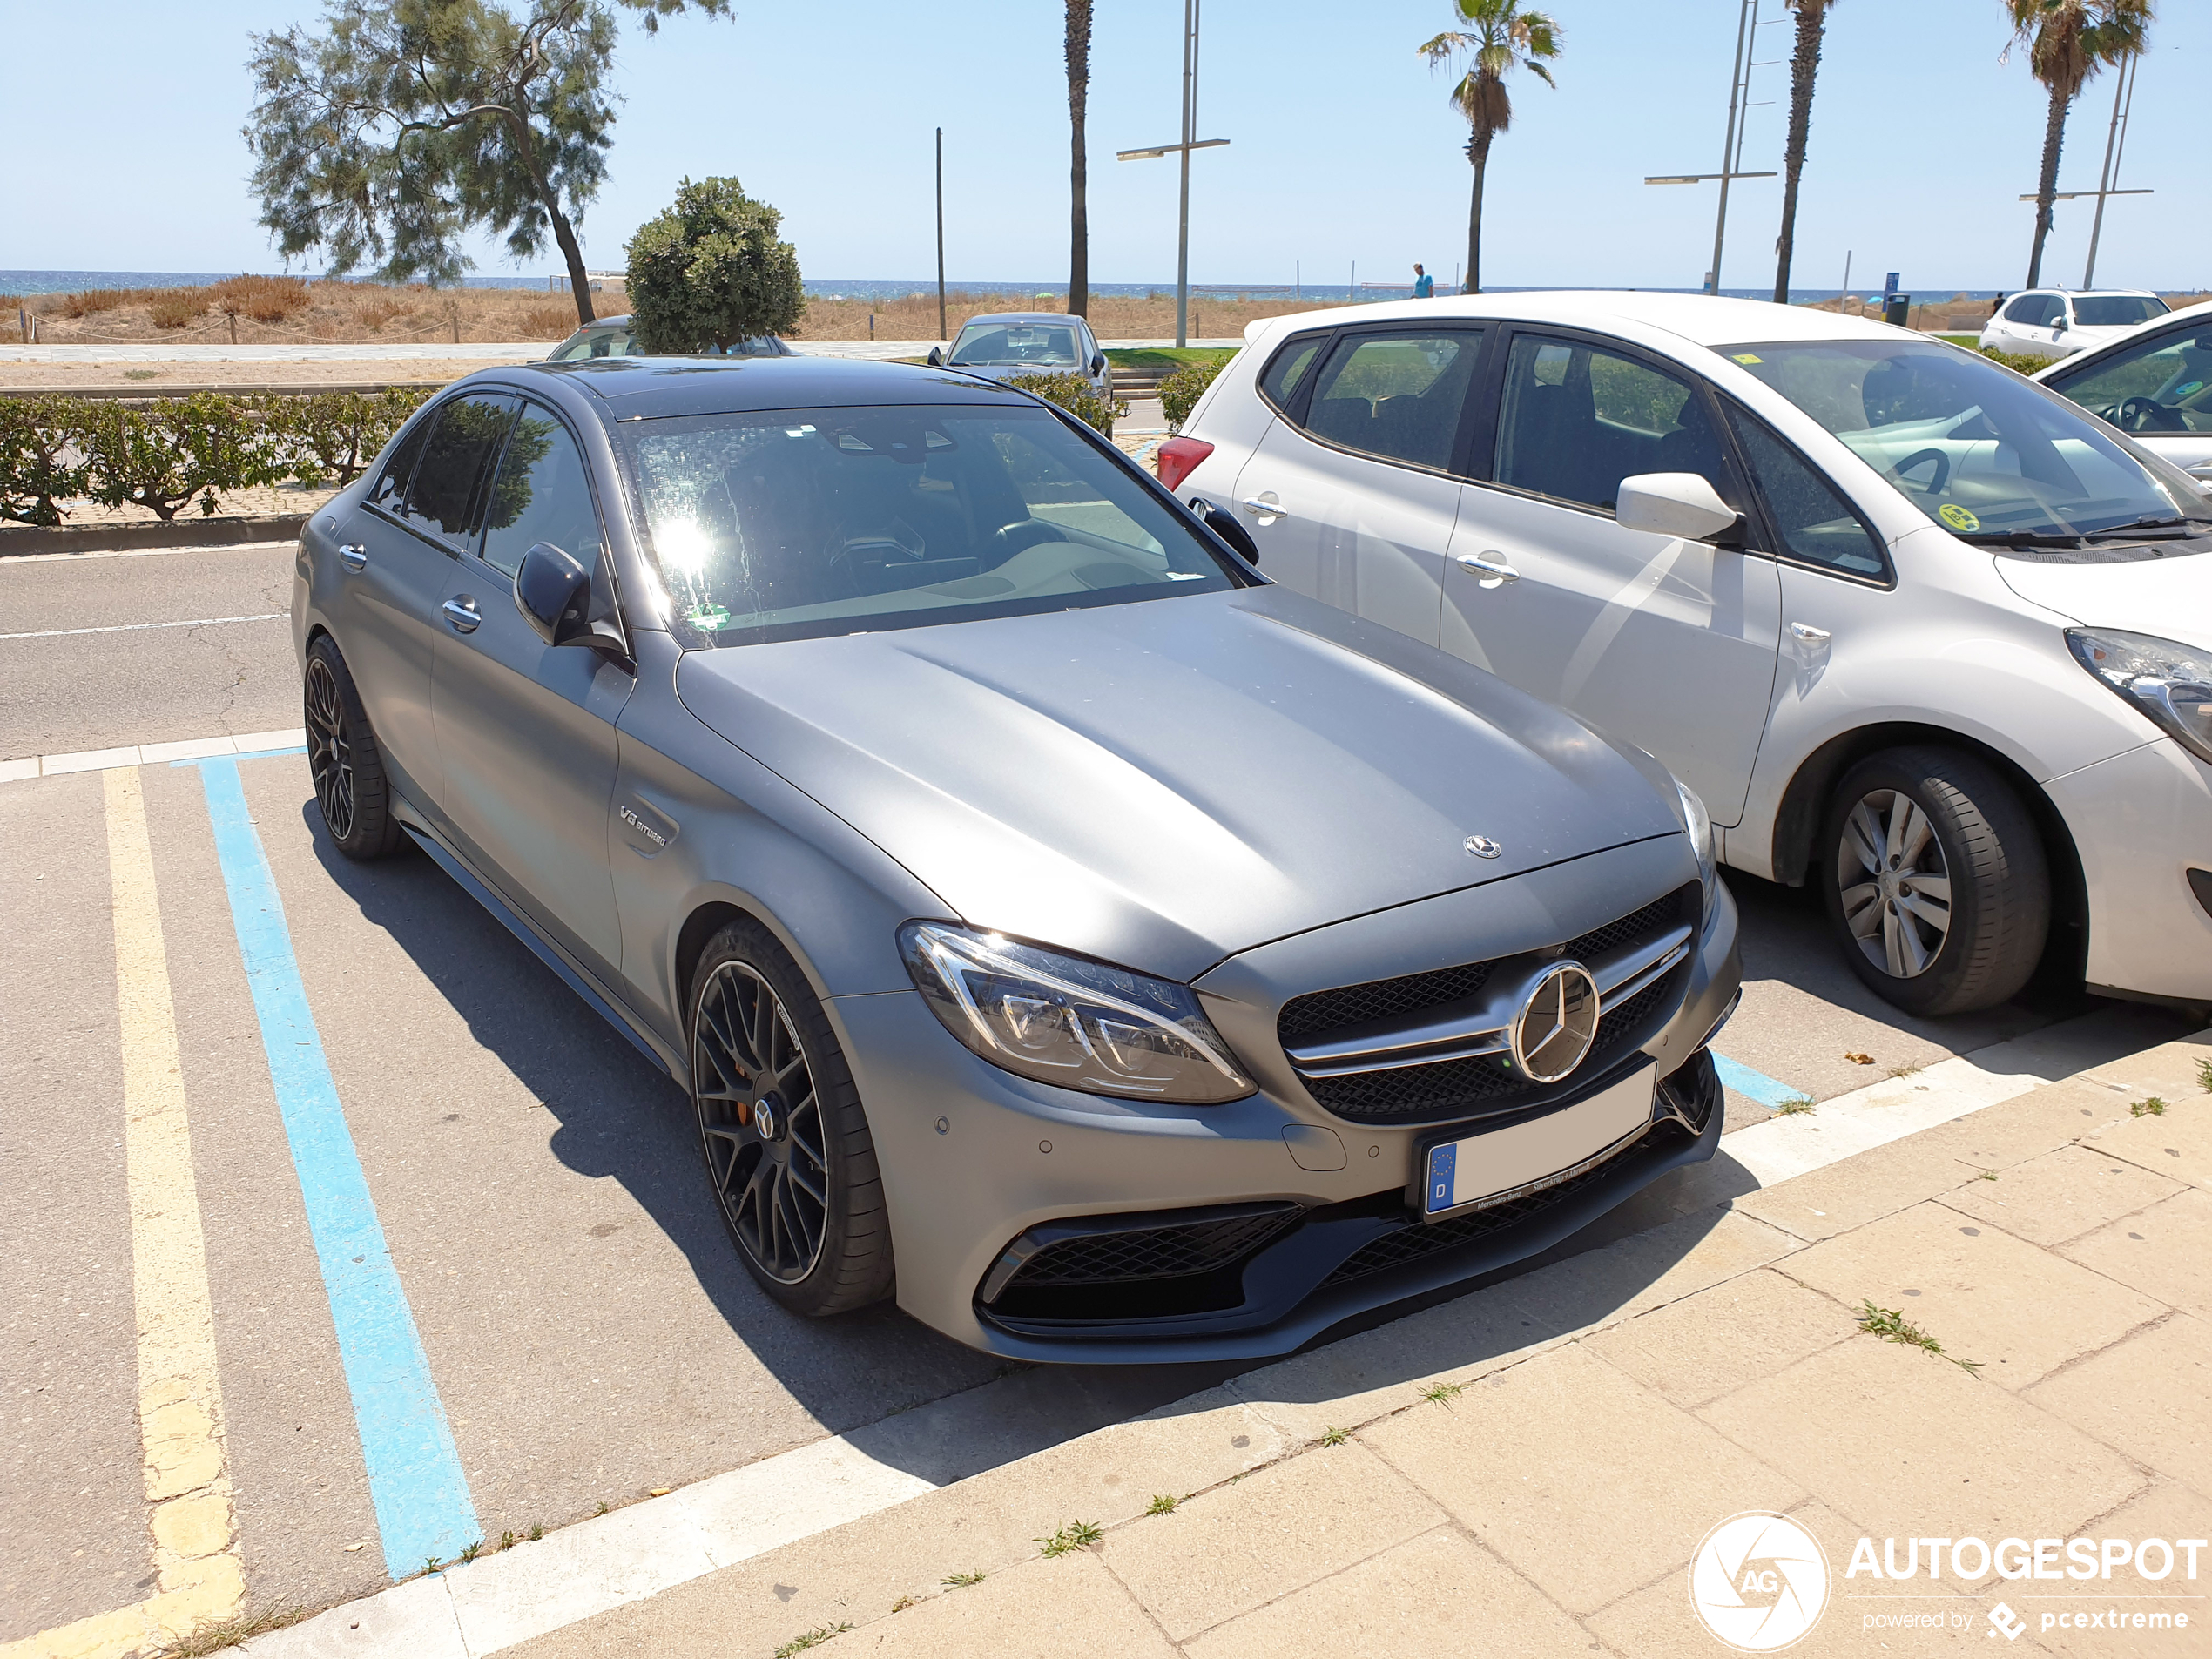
(1937, 883)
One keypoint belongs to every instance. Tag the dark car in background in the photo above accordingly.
(1006, 344)
(611, 337)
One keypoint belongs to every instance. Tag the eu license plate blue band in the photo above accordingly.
(1443, 1176)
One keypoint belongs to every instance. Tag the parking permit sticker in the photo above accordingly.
(711, 617)
(2189, 388)
(1957, 517)
(1748, 357)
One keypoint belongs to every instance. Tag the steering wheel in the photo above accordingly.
(1010, 539)
(2148, 415)
(1943, 468)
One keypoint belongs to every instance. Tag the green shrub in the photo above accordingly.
(39, 466)
(161, 455)
(709, 272)
(1180, 392)
(2025, 362)
(327, 437)
(1074, 394)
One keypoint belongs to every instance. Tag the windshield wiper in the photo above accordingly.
(2181, 527)
(2015, 538)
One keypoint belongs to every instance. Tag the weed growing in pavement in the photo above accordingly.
(1076, 1534)
(1794, 1105)
(537, 1530)
(1892, 1326)
(1335, 1436)
(508, 1541)
(1162, 1503)
(962, 1580)
(430, 1564)
(470, 1553)
(213, 1638)
(604, 1507)
(1444, 1393)
(2204, 1075)
(902, 1604)
(812, 1638)
(1905, 1071)
(1989, 1174)
(2152, 1108)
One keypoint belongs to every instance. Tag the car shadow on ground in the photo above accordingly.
(619, 1117)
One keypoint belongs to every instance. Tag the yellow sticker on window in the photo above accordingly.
(1748, 357)
(1957, 517)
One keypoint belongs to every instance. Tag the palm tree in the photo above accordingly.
(1078, 187)
(1500, 38)
(2067, 42)
(1804, 65)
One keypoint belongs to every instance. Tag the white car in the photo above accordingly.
(2154, 383)
(2050, 322)
(1915, 629)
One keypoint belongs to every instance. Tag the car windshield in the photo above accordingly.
(802, 523)
(2115, 310)
(2163, 384)
(1045, 345)
(1976, 447)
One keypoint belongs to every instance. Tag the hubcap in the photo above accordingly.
(1896, 887)
(760, 1125)
(330, 750)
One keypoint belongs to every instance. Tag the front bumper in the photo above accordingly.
(2140, 822)
(974, 1157)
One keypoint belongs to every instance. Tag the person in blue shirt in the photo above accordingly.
(1423, 285)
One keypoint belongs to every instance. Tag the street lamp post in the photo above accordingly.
(1189, 141)
(1739, 110)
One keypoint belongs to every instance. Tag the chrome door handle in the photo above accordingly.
(462, 614)
(1489, 567)
(1809, 636)
(1261, 506)
(353, 556)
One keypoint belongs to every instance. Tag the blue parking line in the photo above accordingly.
(423, 1509)
(1757, 1084)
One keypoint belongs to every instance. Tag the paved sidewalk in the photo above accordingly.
(1530, 1469)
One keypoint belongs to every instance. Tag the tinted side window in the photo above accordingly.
(1280, 383)
(1815, 523)
(390, 488)
(464, 434)
(542, 494)
(1398, 396)
(2168, 380)
(1575, 420)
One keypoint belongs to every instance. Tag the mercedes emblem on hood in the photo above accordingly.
(1483, 848)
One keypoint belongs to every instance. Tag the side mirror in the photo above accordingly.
(936, 357)
(1224, 523)
(551, 591)
(1674, 503)
(1098, 362)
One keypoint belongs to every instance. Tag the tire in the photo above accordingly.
(351, 792)
(796, 1182)
(1942, 826)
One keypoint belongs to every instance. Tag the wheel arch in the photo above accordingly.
(1805, 804)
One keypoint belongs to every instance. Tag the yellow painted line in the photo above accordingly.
(191, 1520)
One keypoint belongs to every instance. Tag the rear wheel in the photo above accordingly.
(786, 1145)
(344, 760)
(1936, 880)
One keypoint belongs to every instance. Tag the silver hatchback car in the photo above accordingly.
(1149, 961)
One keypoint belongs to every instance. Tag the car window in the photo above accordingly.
(1047, 345)
(806, 522)
(2032, 310)
(2115, 310)
(2163, 384)
(1395, 395)
(390, 488)
(1575, 420)
(1812, 522)
(542, 494)
(1280, 382)
(464, 436)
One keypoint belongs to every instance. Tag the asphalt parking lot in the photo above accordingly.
(578, 1319)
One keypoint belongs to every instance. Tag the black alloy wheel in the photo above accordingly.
(344, 760)
(786, 1144)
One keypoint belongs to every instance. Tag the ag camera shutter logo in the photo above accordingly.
(1759, 1581)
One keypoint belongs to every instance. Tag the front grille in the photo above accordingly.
(1487, 1083)
(1154, 1252)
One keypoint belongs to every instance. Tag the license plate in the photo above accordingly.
(1462, 1174)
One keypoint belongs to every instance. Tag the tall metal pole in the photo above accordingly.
(1190, 135)
(2124, 102)
(1737, 76)
(941, 232)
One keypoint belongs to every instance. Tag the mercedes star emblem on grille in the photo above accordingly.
(1557, 1023)
(1483, 848)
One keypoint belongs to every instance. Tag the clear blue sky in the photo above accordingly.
(127, 156)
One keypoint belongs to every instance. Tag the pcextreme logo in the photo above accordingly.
(1759, 1581)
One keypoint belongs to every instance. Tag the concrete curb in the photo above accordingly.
(15, 542)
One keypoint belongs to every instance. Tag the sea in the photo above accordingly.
(30, 282)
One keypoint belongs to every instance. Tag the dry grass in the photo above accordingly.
(1112, 316)
(266, 310)
(264, 299)
(178, 308)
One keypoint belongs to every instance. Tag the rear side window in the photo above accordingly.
(1814, 524)
(1393, 395)
(1577, 419)
(2035, 310)
(1280, 383)
(389, 490)
(463, 435)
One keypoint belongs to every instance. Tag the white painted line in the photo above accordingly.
(152, 754)
(135, 627)
(17, 770)
(7, 558)
(254, 742)
(248, 743)
(88, 760)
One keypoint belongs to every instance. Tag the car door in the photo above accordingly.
(1351, 493)
(527, 730)
(396, 553)
(2156, 388)
(1669, 642)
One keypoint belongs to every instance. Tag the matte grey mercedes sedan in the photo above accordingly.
(1150, 962)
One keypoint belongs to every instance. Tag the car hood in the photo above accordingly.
(1008, 371)
(2170, 597)
(1164, 782)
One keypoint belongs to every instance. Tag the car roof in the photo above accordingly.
(644, 387)
(1703, 320)
(1021, 316)
(2093, 293)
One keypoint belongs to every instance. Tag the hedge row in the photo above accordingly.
(165, 453)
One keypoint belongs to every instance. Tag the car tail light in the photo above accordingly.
(1176, 458)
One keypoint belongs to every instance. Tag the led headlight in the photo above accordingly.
(2170, 683)
(1697, 823)
(1063, 1020)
